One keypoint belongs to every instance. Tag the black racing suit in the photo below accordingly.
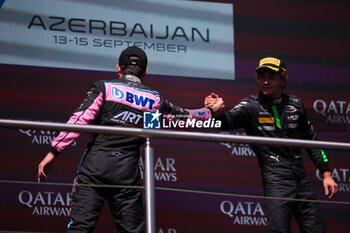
(114, 159)
(282, 170)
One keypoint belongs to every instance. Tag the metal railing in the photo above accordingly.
(149, 133)
(172, 134)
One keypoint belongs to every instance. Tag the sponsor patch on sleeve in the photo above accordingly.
(266, 120)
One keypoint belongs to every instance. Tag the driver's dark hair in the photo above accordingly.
(138, 71)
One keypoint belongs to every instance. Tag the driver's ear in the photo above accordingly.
(284, 80)
(119, 71)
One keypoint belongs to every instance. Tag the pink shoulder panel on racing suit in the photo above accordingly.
(64, 139)
(139, 99)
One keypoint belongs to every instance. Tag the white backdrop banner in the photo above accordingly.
(181, 38)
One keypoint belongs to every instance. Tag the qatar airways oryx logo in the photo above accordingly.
(164, 169)
(41, 136)
(341, 176)
(46, 203)
(242, 150)
(335, 111)
(133, 98)
(244, 212)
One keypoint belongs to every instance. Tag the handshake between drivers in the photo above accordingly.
(214, 102)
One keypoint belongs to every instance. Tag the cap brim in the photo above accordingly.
(276, 69)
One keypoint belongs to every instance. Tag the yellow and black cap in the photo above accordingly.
(272, 63)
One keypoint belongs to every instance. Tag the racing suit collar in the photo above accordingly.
(132, 78)
(268, 101)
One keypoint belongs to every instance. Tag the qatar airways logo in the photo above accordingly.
(164, 169)
(45, 137)
(341, 176)
(335, 111)
(244, 212)
(46, 203)
(240, 150)
(166, 230)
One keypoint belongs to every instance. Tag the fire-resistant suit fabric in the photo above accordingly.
(282, 169)
(114, 159)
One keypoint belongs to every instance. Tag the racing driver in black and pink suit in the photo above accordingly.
(113, 159)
